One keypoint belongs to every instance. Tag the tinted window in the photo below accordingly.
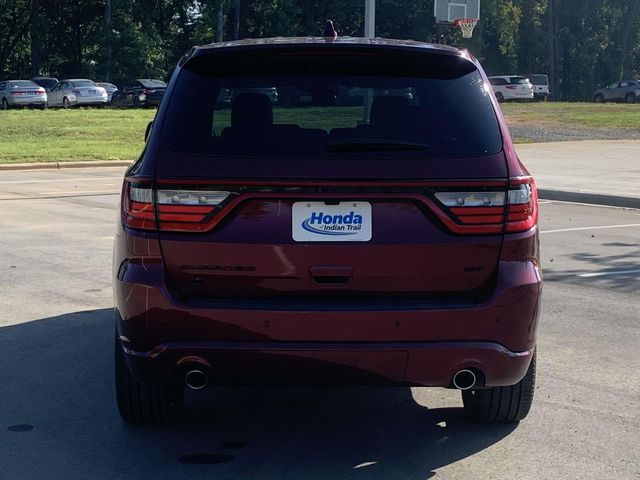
(497, 81)
(539, 79)
(47, 83)
(518, 80)
(446, 113)
(153, 84)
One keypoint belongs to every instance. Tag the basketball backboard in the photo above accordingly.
(447, 11)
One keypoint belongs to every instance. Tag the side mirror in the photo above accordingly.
(148, 131)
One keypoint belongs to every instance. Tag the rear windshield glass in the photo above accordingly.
(539, 79)
(83, 83)
(447, 113)
(23, 84)
(518, 80)
(153, 83)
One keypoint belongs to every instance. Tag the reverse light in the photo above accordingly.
(147, 208)
(485, 212)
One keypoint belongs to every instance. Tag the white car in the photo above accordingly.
(77, 92)
(511, 87)
(540, 84)
(21, 93)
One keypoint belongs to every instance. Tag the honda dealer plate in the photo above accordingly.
(343, 222)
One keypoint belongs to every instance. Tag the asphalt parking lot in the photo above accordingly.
(58, 418)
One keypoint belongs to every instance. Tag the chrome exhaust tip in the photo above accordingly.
(195, 379)
(464, 380)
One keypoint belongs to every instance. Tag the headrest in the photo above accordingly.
(251, 111)
(385, 110)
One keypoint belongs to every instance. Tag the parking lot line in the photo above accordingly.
(612, 272)
(73, 192)
(601, 227)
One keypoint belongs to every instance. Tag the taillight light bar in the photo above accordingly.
(484, 212)
(147, 208)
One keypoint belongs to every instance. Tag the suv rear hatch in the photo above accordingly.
(351, 187)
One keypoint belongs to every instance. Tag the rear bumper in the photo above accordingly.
(91, 101)
(301, 346)
(25, 102)
(424, 364)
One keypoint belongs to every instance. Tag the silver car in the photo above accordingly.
(627, 91)
(110, 88)
(22, 93)
(77, 92)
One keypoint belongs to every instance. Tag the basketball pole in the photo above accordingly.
(369, 32)
(369, 18)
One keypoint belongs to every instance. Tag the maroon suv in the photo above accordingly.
(370, 224)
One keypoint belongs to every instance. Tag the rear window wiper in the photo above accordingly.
(372, 145)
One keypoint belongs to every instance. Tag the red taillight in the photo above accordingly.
(19, 93)
(511, 87)
(522, 209)
(137, 205)
(147, 208)
(146, 91)
(483, 212)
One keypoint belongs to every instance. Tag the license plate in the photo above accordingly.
(343, 222)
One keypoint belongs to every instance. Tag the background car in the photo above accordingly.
(22, 93)
(627, 91)
(140, 92)
(511, 87)
(110, 89)
(77, 92)
(46, 82)
(540, 83)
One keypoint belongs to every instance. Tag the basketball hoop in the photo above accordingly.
(466, 26)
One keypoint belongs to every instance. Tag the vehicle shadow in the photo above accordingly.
(615, 267)
(59, 420)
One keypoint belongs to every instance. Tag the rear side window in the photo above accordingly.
(312, 107)
(518, 80)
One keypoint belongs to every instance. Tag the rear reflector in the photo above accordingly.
(484, 212)
(146, 208)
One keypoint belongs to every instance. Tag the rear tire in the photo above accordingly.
(598, 99)
(499, 97)
(66, 103)
(136, 102)
(141, 403)
(502, 404)
(630, 98)
(5, 104)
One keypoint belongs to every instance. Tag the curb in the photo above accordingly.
(543, 194)
(61, 165)
(589, 198)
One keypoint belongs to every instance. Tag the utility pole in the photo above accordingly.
(220, 30)
(36, 44)
(554, 60)
(109, 49)
(236, 21)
